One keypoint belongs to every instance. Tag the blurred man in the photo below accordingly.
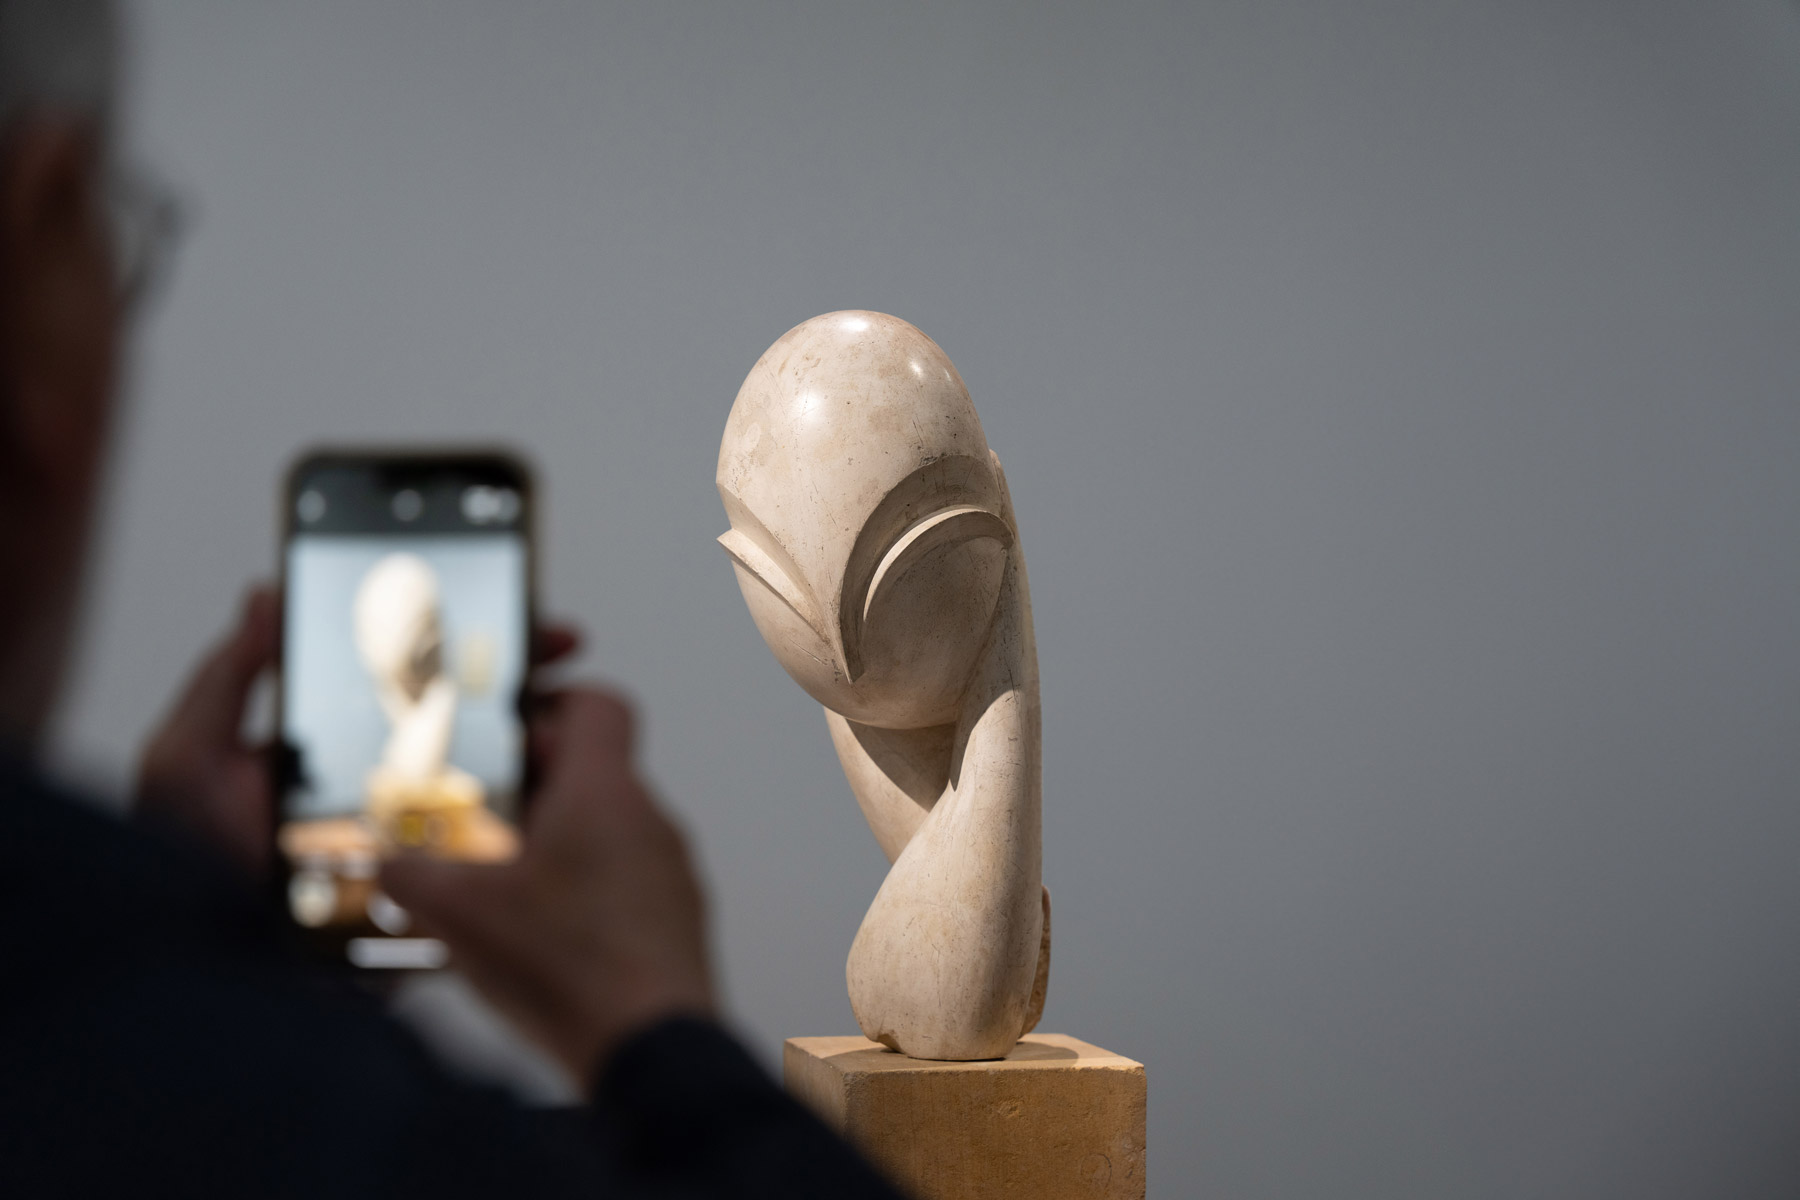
(156, 1035)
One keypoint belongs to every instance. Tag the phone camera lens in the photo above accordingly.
(408, 504)
(490, 505)
(311, 505)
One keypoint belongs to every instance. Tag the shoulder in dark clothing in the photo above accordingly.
(158, 1036)
(156, 1033)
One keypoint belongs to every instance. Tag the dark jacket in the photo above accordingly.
(160, 1037)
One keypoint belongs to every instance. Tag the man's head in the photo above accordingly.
(60, 310)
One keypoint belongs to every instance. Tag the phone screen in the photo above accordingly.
(405, 650)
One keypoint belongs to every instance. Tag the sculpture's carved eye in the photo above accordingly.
(942, 529)
(899, 652)
(758, 562)
(784, 612)
(929, 605)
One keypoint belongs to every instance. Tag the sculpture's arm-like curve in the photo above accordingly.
(947, 962)
(898, 775)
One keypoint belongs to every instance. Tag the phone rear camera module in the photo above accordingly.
(408, 504)
(490, 505)
(311, 505)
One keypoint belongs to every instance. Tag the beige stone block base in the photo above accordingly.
(1055, 1119)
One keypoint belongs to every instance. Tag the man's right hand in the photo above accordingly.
(598, 928)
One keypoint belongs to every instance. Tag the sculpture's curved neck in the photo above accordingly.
(946, 959)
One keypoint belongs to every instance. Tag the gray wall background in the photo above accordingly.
(1402, 405)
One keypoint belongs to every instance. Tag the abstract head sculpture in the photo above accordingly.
(874, 541)
(398, 619)
(399, 628)
(861, 494)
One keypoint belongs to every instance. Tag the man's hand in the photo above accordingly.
(597, 929)
(198, 772)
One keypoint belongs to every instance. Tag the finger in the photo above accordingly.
(538, 706)
(243, 811)
(553, 642)
(211, 707)
(447, 897)
(470, 907)
(260, 629)
(539, 711)
(540, 739)
(591, 732)
(587, 772)
(475, 910)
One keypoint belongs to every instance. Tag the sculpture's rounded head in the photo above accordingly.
(869, 522)
(399, 633)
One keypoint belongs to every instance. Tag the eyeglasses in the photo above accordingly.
(146, 219)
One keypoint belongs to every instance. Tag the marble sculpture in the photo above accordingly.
(874, 540)
(399, 636)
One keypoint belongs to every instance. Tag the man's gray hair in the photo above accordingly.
(57, 55)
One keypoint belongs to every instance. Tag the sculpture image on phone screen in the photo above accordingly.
(875, 543)
(404, 655)
(399, 634)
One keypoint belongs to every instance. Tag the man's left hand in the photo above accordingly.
(198, 771)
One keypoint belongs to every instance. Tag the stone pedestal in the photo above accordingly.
(1056, 1119)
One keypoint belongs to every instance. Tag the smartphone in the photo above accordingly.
(407, 580)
